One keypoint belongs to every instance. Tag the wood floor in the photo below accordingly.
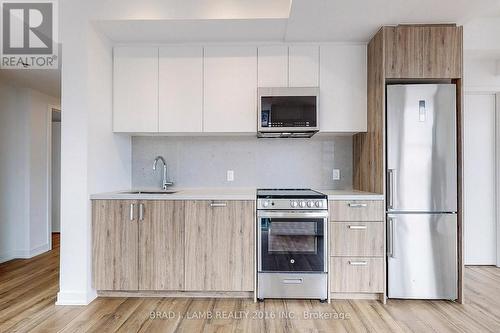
(28, 292)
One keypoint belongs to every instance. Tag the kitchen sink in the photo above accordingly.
(150, 192)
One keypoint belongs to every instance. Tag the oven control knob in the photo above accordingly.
(265, 203)
(319, 204)
(310, 204)
(294, 204)
(302, 204)
(292, 261)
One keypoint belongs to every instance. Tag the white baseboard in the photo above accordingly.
(75, 298)
(24, 254)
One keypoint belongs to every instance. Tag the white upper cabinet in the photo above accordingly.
(343, 88)
(181, 89)
(230, 89)
(303, 69)
(135, 89)
(273, 66)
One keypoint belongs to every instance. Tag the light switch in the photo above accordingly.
(336, 174)
(230, 175)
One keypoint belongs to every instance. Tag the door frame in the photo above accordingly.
(497, 167)
(50, 107)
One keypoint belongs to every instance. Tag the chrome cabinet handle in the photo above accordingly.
(141, 212)
(358, 263)
(293, 281)
(132, 209)
(357, 227)
(390, 188)
(390, 237)
(357, 205)
(214, 204)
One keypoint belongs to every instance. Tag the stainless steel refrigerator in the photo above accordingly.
(422, 191)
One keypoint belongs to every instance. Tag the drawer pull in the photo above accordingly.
(293, 281)
(357, 227)
(141, 212)
(132, 215)
(357, 205)
(218, 204)
(358, 263)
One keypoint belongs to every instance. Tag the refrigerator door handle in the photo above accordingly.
(390, 237)
(391, 189)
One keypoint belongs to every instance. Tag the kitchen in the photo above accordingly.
(262, 174)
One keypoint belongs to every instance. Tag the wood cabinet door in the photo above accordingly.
(219, 245)
(230, 89)
(114, 244)
(404, 51)
(135, 89)
(180, 89)
(161, 245)
(442, 52)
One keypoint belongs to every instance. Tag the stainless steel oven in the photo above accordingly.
(292, 247)
(287, 112)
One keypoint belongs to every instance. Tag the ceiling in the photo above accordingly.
(276, 20)
(174, 21)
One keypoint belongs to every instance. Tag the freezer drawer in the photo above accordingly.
(422, 256)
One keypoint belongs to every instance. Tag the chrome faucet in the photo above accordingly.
(165, 183)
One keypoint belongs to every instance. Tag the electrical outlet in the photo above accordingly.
(336, 174)
(230, 175)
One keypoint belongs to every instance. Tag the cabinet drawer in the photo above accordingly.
(357, 275)
(345, 211)
(357, 239)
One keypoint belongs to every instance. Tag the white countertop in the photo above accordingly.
(227, 193)
(209, 193)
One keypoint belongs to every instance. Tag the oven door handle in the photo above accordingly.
(292, 214)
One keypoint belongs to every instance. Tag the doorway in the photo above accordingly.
(480, 179)
(54, 172)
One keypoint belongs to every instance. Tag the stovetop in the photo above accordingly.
(289, 194)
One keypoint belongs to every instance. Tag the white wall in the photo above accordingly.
(481, 74)
(24, 187)
(93, 159)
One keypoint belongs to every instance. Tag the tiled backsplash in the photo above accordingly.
(275, 163)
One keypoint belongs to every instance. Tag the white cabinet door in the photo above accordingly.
(135, 89)
(230, 89)
(273, 66)
(181, 89)
(343, 91)
(303, 68)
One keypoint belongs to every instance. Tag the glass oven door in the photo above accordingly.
(292, 241)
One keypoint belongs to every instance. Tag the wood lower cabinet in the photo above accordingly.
(357, 275)
(219, 253)
(114, 245)
(161, 245)
(370, 210)
(357, 248)
(357, 239)
(138, 245)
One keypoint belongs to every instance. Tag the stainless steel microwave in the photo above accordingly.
(287, 112)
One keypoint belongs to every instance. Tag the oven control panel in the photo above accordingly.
(291, 204)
